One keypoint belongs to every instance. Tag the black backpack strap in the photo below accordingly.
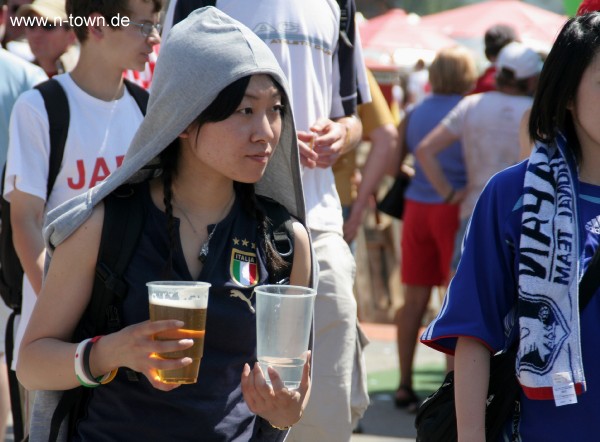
(57, 108)
(66, 403)
(349, 85)
(13, 383)
(183, 8)
(281, 234)
(344, 19)
(124, 216)
(11, 272)
(139, 94)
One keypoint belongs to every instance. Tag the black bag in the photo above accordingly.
(11, 272)
(436, 416)
(57, 108)
(393, 201)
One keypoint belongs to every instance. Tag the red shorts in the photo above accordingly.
(427, 242)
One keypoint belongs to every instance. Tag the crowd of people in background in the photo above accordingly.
(467, 140)
(428, 242)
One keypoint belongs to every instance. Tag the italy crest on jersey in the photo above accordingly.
(244, 268)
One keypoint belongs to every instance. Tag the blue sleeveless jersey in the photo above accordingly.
(213, 409)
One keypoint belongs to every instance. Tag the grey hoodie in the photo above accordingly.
(200, 57)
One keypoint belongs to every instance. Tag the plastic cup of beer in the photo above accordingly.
(186, 301)
(283, 325)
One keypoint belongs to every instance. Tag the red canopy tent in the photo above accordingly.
(536, 27)
(397, 38)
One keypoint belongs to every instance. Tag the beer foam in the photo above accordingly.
(185, 303)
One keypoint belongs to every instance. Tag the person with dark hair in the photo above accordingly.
(103, 117)
(494, 40)
(533, 233)
(488, 126)
(427, 243)
(527, 142)
(201, 163)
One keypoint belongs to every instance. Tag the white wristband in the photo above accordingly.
(79, 371)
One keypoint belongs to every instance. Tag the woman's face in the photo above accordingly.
(586, 109)
(240, 146)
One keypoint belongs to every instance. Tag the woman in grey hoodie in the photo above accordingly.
(218, 138)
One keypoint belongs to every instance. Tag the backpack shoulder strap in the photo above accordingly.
(124, 215)
(282, 235)
(57, 108)
(123, 221)
(183, 8)
(344, 19)
(139, 94)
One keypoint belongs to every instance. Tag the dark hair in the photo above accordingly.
(575, 47)
(223, 106)
(496, 38)
(506, 78)
(107, 8)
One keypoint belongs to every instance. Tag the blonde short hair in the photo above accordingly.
(453, 71)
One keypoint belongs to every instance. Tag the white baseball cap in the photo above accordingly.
(524, 62)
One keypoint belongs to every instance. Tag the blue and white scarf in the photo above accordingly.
(549, 273)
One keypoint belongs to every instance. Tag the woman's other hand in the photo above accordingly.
(276, 404)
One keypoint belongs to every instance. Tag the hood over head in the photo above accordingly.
(200, 57)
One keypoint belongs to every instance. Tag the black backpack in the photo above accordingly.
(123, 222)
(11, 271)
(57, 108)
